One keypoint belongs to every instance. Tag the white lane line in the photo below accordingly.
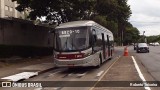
(140, 73)
(99, 74)
(70, 74)
(82, 74)
(38, 88)
(54, 73)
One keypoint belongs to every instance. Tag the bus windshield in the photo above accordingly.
(71, 39)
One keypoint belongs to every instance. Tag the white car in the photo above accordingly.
(156, 44)
(142, 47)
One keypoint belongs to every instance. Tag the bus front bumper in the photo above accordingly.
(91, 60)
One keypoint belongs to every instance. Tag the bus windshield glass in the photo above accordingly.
(71, 39)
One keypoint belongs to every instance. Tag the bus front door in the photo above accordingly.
(103, 46)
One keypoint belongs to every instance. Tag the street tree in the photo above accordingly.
(58, 10)
(131, 35)
(117, 11)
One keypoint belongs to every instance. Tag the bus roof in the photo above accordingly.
(81, 23)
(76, 24)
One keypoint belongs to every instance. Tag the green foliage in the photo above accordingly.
(70, 10)
(58, 10)
(158, 39)
(131, 35)
(117, 10)
(111, 25)
(152, 39)
(100, 19)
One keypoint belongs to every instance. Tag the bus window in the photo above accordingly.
(80, 41)
(72, 39)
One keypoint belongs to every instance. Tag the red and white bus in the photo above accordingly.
(82, 43)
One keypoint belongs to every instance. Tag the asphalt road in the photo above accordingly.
(151, 60)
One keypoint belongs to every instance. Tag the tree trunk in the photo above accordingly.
(121, 29)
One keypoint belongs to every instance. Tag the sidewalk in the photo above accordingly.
(30, 66)
(122, 71)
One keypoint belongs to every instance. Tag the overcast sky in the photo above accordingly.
(145, 16)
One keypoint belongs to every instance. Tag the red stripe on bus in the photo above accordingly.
(70, 56)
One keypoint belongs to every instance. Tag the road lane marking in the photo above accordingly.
(99, 74)
(81, 74)
(140, 73)
(38, 88)
(70, 74)
(104, 73)
(54, 73)
(20, 76)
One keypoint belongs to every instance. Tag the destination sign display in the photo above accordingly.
(68, 32)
